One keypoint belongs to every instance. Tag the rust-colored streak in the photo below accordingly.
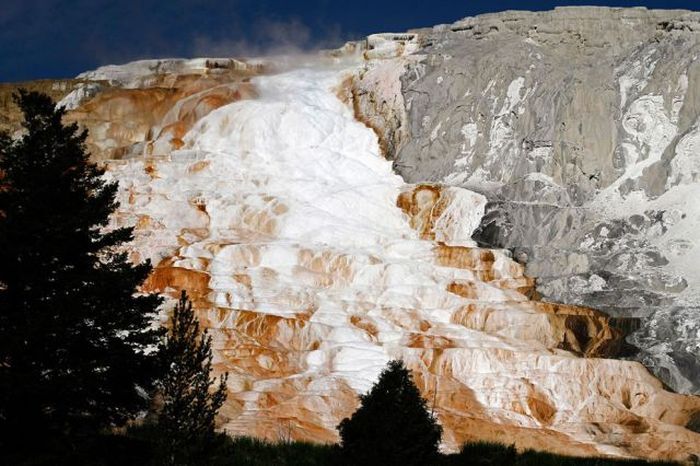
(464, 289)
(367, 121)
(418, 340)
(366, 325)
(541, 410)
(421, 204)
(169, 278)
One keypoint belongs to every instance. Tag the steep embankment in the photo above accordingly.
(313, 263)
(580, 125)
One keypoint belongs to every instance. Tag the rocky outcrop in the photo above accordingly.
(580, 126)
(268, 198)
(144, 108)
(10, 115)
(313, 264)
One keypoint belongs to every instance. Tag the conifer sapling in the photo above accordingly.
(189, 407)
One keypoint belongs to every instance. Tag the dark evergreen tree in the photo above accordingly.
(189, 406)
(392, 426)
(74, 337)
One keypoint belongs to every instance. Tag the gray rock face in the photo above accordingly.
(582, 127)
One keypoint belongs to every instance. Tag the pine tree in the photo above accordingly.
(186, 420)
(74, 336)
(392, 426)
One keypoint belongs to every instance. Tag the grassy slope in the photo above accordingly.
(251, 452)
(138, 449)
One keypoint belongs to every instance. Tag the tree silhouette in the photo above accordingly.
(186, 420)
(392, 425)
(73, 351)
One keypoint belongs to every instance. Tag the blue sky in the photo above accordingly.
(60, 38)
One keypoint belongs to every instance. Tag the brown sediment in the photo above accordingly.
(420, 340)
(365, 324)
(198, 166)
(169, 278)
(464, 289)
(119, 119)
(360, 116)
(421, 204)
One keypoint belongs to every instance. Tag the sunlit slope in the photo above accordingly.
(314, 264)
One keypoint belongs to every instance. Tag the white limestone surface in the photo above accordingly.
(279, 215)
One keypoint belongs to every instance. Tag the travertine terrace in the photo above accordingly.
(267, 194)
(580, 125)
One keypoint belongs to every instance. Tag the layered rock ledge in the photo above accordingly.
(580, 125)
(269, 198)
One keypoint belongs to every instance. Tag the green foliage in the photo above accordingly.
(73, 333)
(140, 445)
(186, 420)
(253, 452)
(496, 454)
(392, 426)
(536, 458)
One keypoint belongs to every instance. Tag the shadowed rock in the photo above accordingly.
(581, 126)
